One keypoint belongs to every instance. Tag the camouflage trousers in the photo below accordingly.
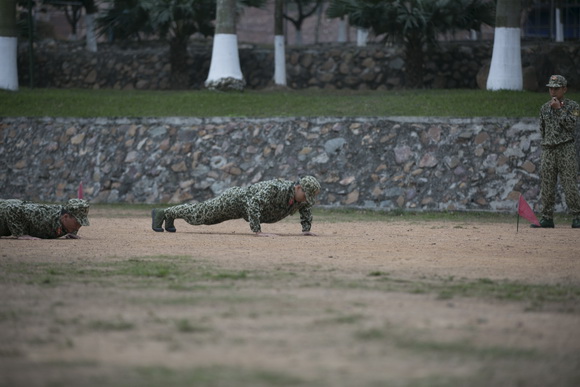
(227, 206)
(559, 161)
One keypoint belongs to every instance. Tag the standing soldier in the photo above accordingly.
(263, 202)
(24, 220)
(558, 125)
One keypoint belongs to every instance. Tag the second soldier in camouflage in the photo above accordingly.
(25, 220)
(558, 119)
(264, 202)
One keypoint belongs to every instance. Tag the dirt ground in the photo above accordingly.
(395, 303)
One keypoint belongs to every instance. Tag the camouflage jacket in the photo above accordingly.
(19, 218)
(273, 200)
(558, 126)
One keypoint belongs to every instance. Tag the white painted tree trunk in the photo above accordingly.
(225, 73)
(342, 26)
(559, 26)
(362, 35)
(505, 72)
(8, 63)
(280, 60)
(91, 35)
(225, 67)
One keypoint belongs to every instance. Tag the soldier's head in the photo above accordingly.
(306, 189)
(74, 214)
(558, 86)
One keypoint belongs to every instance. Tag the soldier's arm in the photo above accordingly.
(567, 117)
(253, 210)
(306, 218)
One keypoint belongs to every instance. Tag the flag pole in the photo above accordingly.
(518, 211)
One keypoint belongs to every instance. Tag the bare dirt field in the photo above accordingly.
(365, 303)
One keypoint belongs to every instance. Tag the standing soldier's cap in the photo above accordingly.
(557, 81)
(311, 188)
(79, 209)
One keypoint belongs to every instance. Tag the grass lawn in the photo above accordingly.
(271, 103)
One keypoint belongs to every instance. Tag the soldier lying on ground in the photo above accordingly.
(25, 220)
(263, 202)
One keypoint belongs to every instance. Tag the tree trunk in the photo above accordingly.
(559, 26)
(91, 12)
(414, 62)
(342, 27)
(362, 35)
(178, 58)
(225, 73)
(279, 45)
(505, 72)
(8, 46)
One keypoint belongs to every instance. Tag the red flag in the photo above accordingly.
(526, 212)
(80, 192)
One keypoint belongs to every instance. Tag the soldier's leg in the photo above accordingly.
(227, 206)
(5, 217)
(549, 173)
(568, 167)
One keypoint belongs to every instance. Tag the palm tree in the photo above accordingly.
(8, 46)
(414, 23)
(505, 71)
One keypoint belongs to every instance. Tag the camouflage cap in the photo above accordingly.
(311, 188)
(557, 81)
(79, 209)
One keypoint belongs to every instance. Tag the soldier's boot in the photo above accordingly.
(169, 227)
(157, 217)
(544, 223)
(576, 223)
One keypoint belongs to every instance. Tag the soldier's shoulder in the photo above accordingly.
(574, 107)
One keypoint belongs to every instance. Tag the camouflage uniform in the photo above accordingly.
(18, 218)
(557, 127)
(264, 202)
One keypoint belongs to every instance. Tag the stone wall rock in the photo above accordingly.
(380, 163)
(146, 66)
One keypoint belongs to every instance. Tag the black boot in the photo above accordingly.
(157, 217)
(169, 227)
(544, 223)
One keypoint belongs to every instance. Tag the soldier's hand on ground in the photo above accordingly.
(72, 236)
(27, 237)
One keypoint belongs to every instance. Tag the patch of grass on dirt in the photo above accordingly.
(185, 326)
(185, 274)
(213, 376)
(118, 324)
(535, 295)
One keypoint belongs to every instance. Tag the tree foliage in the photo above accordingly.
(174, 20)
(304, 9)
(416, 24)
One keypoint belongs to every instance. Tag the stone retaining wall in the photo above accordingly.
(146, 66)
(376, 163)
